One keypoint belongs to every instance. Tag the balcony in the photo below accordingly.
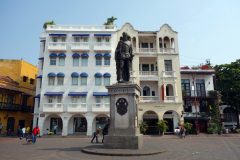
(211, 94)
(148, 75)
(10, 106)
(170, 99)
(82, 27)
(53, 107)
(149, 99)
(169, 74)
(167, 50)
(26, 108)
(147, 50)
(76, 107)
(102, 47)
(80, 47)
(100, 107)
(57, 46)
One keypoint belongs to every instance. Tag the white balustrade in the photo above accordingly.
(149, 99)
(43, 34)
(80, 46)
(167, 50)
(53, 107)
(83, 27)
(77, 107)
(102, 46)
(169, 74)
(148, 73)
(101, 107)
(147, 50)
(170, 99)
(57, 46)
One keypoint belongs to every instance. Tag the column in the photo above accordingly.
(175, 85)
(65, 126)
(137, 45)
(170, 43)
(112, 111)
(163, 44)
(157, 44)
(131, 110)
(89, 125)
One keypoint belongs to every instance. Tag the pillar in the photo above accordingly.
(112, 111)
(137, 45)
(89, 125)
(132, 113)
(157, 44)
(65, 125)
(170, 43)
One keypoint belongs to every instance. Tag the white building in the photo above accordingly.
(75, 64)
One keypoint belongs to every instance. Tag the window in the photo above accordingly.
(98, 61)
(51, 80)
(74, 80)
(107, 40)
(145, 67)
(83, 99)
(42, 63)
(83, 80)
(40, 82)
(84, 61)
(24, 103)
(50, 99)
(63, 39)
(38, 102)
(153, 93)
(168, 65)
(77, 39)
(54, 39)
(98, 99)
(106, 99)
(187, 106)
(140, 67)
(203, 106)
(99, 39)
(152, 67)
(24, 79)
(107, 61)
(200, 86)
(106, 81)
(75, 61)
(146, 91)
(144, 45)
(59, 99)
(85, 39)
(61, 61)
(31, 81)
(186, 86)
(43, 46)
(151, 45)
(74, 99)
(160, 45)
(98, 80)
(60, 80)
(53, 61)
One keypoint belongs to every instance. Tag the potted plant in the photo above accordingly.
(184, 92)
(161, 126)
(187, 126)
(143, 127)
(185, 106)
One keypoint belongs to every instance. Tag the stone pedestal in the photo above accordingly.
(123, 132)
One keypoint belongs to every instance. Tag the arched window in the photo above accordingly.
(146, 91)
(169, 90)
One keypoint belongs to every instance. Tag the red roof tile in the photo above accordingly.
(8, 79)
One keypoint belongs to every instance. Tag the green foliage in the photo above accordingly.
(187, 126)
(143, 126)
(184, 92)
(162, 126)
(48, 23)
(110, 21)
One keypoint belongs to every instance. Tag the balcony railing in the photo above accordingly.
(149, 99)
(147, 50)
(169, 74)
(148, 73)
(77, 107)
(170, 99)
(102, 46)
(57, 46)
(26, 108)
(10, 106)
(201, 93)
(53, 107)
(167, 50)
(101, 107)
(77, 46)
(82, 27)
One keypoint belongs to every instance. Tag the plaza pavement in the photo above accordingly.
(192, 147)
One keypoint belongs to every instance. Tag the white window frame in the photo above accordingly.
(108, 79)
(77, 59)
(98, 59)
(62, 81)
(85, 39)
(96, 81)
(81, 80)
(99, 39)
(52, 58)
(86, 60)
(105, 61)
(72, 80)
(63, 39)
(51, 77)
(59, 99)
(107, 39)
(50, 99)
(77, 39)
(61, 58)
(74, 99)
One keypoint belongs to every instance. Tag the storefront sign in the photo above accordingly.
(140, 109)
(42, 115)
(160, 107)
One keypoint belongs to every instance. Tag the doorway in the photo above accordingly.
(21, 123)
(58, 122)
(10, 124)
(169, 124)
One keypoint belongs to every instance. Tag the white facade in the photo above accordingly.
(65, 110)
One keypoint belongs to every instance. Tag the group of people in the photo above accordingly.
(25, 131)
(104, 132)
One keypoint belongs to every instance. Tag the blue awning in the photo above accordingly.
(74, 74)
(84, 55)
(51, 74)
(100, 94)
(41, 58)
(77, 93)
(98, 74)
(43, 41)
(53, 93)
(53, 55)
(107, 75)
(80, 35)
(37, 96)
(60, 74)
(57, 34)
(76, 55)
(40, 76)
(98, 55)
(62, 55)
(107, 55)
(84, 74)
(102, 34)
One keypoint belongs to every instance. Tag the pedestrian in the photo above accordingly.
(23, 131)
(18, 131)
(105, 131)
(55, 128)
(181, 131)
(1, 126)
(35, 132)
(96, 133)
(27, 131)
(9, 132)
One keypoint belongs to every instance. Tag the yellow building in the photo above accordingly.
(17, 91)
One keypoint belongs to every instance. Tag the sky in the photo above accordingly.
(207, 29)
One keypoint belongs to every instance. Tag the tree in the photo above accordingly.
(228, 83)
(143, 126)
(162, 126)
(48, 23)
(110, 21)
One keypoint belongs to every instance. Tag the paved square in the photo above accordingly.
(70, 148)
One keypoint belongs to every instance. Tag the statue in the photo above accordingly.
(123, 58)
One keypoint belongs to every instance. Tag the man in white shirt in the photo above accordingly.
(23, 131)
(1, 126)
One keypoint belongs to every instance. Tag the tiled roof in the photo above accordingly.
(8, 79)
(3, 86)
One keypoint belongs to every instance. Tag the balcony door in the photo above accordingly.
(146, 91)
(200, 85)
(186, 86)
(145, 67)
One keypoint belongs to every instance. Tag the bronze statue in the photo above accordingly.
(123, 58)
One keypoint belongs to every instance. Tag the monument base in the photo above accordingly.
(123, 142)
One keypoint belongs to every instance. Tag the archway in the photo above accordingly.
(50, 121)
(151, 118)
(172, 117)
(172, 43)
(169, 90)
(146, 91)
(99, 120)
(77, 124)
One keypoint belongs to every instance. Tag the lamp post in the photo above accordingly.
(195, 102)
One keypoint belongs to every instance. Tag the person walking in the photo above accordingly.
(35, 132)
(96, 133)
(18, 131)
(181, 131)
(55, 128)
(27, 131)
(23, 131)
(105, 131)
(1, 126)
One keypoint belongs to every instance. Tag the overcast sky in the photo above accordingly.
(206, 29)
